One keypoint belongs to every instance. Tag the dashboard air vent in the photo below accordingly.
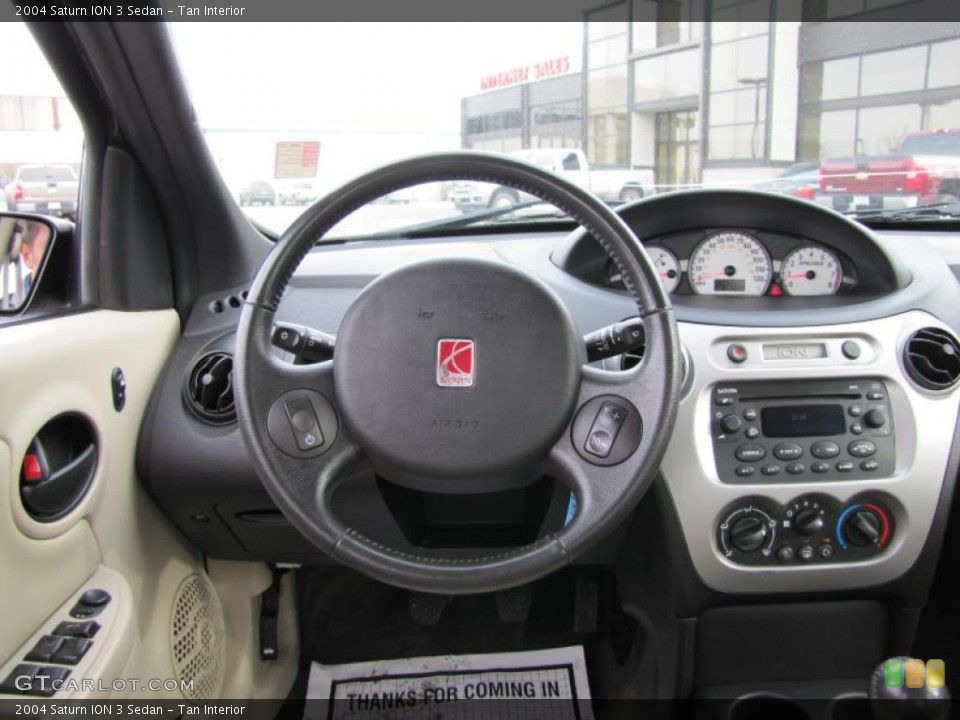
(209, 390)
(932, 359)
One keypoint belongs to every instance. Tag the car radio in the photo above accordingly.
(789, 431)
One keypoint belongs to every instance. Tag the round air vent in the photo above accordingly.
(209, 390)
(932, 359)
(198, 639)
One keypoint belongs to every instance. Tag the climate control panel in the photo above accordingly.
(813, 528)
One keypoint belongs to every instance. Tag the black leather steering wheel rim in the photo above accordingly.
(606, 495)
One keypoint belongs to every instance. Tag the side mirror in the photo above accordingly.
(26, 242)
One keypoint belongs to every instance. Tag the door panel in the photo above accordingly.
(115, 534)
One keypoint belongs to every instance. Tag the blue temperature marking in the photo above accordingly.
(840, 520)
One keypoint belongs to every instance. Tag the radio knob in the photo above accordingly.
(748, 534)
(875, 418)
(808, 522)
(730, 423)
(862, 528)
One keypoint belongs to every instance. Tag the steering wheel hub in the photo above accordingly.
(457, 375)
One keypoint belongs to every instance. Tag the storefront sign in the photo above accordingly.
(526, 73)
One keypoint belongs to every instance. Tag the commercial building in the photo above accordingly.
(713, 91)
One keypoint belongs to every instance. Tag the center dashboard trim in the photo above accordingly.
(925, 427)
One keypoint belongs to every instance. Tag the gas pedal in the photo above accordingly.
(513, 604)
(426, 608)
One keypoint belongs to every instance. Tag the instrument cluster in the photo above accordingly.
(748, 263)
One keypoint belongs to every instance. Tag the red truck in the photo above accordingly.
(924, 170)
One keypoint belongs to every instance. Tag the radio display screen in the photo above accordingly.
(802, 420)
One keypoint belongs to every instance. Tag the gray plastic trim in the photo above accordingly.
(924, 425)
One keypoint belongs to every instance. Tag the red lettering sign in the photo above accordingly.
(548, 68)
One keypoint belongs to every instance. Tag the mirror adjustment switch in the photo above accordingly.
(606, 427)
(72, 651)
(45, 649)
(303, 422)
(25, 674)
(77, 629)
(48, 680)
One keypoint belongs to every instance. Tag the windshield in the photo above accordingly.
(628, 104)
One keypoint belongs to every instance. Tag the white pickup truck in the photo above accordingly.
(610, 185)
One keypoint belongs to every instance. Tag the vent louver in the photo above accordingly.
(209, 390)
(932, 359)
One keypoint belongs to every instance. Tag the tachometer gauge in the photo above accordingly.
(730, 263)
(667, 267)
(811, 271)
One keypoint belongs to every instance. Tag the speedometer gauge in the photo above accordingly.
(811, 271)
(730, 263)
(667, 267)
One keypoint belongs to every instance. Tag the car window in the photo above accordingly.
(655, 105)
(41, 142)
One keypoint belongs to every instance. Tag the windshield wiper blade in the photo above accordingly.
(935, 211)
(447, 223)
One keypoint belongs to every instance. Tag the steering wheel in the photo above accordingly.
(457, 376)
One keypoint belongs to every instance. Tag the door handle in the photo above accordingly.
(61, 491)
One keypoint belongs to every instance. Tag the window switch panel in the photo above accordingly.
(45, 649)
(72, 651)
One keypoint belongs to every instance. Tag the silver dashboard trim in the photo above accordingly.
(922, 450)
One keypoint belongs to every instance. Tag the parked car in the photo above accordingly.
(258, 193)
(611, 185)
(799, 180)
(49, 189)
(924, 170)
(299, 193)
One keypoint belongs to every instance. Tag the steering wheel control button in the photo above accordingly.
(861, 448)
(613, 432)
(45, 649)
(820, 467)
(825, 449)
(770, 470)
(77, 629)
(745, 470)
(730, 423)
(302, 423)
(750, 453)
(788, 451)
(796, 468)
(737, 353)
(605, 429)
(850, 349)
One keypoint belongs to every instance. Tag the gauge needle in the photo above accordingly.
(710, 276)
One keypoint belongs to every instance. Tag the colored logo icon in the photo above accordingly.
(914, 673)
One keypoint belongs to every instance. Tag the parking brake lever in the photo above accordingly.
(614, 339)
(307, 345)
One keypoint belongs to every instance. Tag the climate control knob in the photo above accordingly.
(748, 534)
(808, 522)
(862, 528)
(864, 525)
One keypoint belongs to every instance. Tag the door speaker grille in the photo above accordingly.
(197, 639)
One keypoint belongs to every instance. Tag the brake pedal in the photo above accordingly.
(513, 604)
(587, 603)
(426, 608)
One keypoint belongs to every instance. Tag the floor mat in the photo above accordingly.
(498, 686)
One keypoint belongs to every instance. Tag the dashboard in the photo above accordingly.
(815, 447)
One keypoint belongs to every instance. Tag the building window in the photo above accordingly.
(667, 76)
(659, 23)
(894, 71)
(944, 64)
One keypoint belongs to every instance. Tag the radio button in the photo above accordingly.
(844, 466)
(820, 467)
(788, 451)
(796, 468)
(875, 418)
(730, 423)
(825, 449)
(750, 414)
(750, 453)
(724, 400)
(869, 465)
(745, 470)
(855, 410)
(751, 433)
(861, 448)
(856, 428)
(875, 395)
(771, 469)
